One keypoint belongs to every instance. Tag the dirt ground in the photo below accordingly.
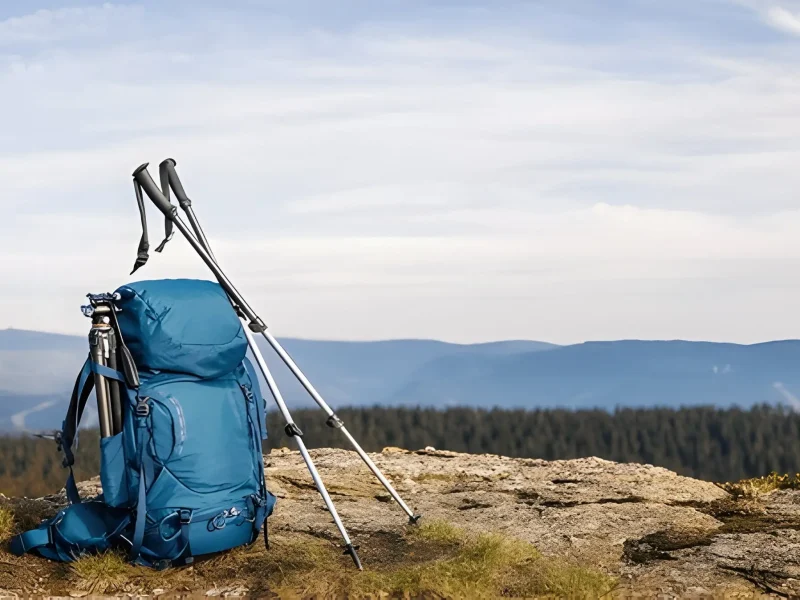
(644, 530)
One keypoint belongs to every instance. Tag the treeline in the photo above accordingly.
(707, 443)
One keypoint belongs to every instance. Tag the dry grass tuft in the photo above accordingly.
(110, 572)
(751, 488)
(467, 566)
(100, 572)
(434, 560)
(6, 524)
(438, 531)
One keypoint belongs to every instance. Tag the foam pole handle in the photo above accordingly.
(168, 167)
(142, 176)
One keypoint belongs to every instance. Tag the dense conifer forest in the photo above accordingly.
(707, 443)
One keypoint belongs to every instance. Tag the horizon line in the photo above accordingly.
(482, 343)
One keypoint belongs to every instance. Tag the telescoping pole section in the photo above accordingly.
(142, 178)
(169, 178)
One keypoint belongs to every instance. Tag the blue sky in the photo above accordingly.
(466, 171)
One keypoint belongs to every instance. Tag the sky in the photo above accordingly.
(557, 170)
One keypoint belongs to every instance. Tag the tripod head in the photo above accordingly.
(100, 304)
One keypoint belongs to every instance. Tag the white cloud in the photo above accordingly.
(783, 15)
(373, 182)
(71, 23)
(783, 19)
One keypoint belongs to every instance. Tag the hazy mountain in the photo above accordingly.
(37, 371)
(608, 374)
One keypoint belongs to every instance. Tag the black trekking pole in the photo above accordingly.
(169, 178)
(145, 182)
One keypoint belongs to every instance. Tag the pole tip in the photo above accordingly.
(169, 160)
(413, 519)
(140, 168)
(351, 550)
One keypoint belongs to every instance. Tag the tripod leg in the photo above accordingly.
(97, 344)
(116, 402)
(293, 431)
(336, 422)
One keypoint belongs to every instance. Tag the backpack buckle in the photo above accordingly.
(142, 408)
(185, 516)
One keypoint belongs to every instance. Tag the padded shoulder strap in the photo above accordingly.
(69, 429)
(77, 404)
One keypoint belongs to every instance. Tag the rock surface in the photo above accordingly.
(653, 529)
(659, 533)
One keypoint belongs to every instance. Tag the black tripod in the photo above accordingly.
(103, 350)
(253, 324)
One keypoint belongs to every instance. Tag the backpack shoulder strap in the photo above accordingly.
(69, 428)
(77, 403)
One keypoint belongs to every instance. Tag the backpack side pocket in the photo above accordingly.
(113, 475)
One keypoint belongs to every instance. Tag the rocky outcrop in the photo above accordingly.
(653, 530)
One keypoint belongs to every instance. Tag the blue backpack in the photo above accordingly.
(185, 476)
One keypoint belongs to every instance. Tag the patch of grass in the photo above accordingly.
(6, 524)
(493, 565)
(434, 560)
(110, 572)
(467, 566)
(107, 572)
(751, 488)
(438, 531)
(99, 572)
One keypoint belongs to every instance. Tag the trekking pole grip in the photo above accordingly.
(142, 176)
(167, 169)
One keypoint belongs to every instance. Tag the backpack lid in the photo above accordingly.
(181, 326)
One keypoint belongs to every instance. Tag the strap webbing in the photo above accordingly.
(107, 372)
(77, 404)
(146, 472)
(141, 517)
(144, 243)
(261, 512)
(25, 542)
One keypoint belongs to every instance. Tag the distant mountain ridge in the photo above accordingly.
(37, 371)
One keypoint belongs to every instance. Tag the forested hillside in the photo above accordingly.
(707, 443)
